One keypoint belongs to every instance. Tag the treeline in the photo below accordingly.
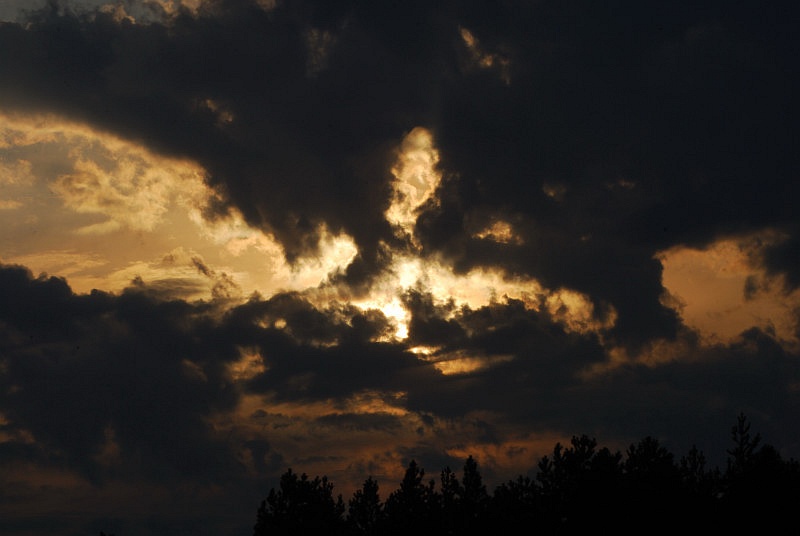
(578, 487)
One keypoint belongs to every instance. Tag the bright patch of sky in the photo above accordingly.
(106, 213)
(721, 290)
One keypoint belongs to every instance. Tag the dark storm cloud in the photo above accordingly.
(119, 390)
(549, 384)
(329, 354)
(429, 326)
(301, 373)
(690, 399)
(147, 373)
(77, 368)
(151, 369)
(545, 362)
(361, 422)
(303, 148)
(784, 258)
(657, 125)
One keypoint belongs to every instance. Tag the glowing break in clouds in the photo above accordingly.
(416, 181)
(108, 213)
(722, 290)
(500, 231)
(105, 212)
(479, 58)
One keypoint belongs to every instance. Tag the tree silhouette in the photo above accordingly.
(653, 483)
(577, 488)
(474, 495)
(741, 455)
(411, 507)
(651, 472)
(577, 484)
(365, 510)
(515, 503)
(700, 486)
(693, 472)
(463, 505)
(760, 488)
(451, 510)
(301, 506)
(474, 498)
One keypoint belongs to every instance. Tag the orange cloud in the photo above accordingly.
(721, 290)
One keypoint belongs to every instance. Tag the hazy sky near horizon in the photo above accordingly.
(242, 236)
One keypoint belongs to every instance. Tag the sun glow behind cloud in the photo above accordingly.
(500, 231)
(109, 214)
(417, 178)
(460, 362)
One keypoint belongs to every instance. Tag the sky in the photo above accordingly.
(243, 236)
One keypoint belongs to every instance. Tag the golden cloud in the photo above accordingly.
(722, 290)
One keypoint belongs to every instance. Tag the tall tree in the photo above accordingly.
(653, 484)
(451, 510)
(741, 455)
(411, 507)
(561, 477)
(365, 509)
(761, 488)
(699, 482)
(300, 506)
(515, 503)
(475, 499)
(578, 484)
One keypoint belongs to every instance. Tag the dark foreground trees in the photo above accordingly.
(300, 506)
(577, 488)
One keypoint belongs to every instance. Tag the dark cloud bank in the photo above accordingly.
(651, 125)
